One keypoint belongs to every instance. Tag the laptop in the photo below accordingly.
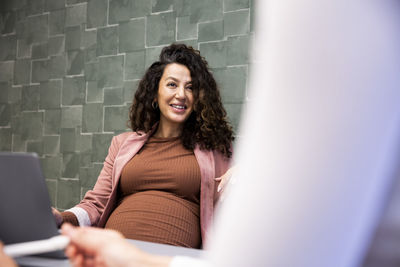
(25, 209)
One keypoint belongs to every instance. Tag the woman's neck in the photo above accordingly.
(167, 131)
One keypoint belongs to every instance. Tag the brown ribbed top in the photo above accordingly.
(159, 193)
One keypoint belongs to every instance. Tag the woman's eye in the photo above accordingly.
(171, 84)
(189, 88)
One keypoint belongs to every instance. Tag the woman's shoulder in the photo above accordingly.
(122, 137)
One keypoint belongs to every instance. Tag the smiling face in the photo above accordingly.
(175, 98)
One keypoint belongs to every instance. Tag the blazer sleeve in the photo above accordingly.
(95, 200)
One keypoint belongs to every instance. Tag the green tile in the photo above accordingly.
(34, 28)
(90, 53)
(85, 143)
(68, 194)
(52, 121)
(31, 125)
(72, 2)
(130, 88)
(75, 62)
(101, 143)
(75, 15)
(87, 177)
(52, 189)
(231, 5)
(186, 30)
(22, 71)
(24, 49)
(131, 35)
(140, 8)
(72, 38)
(89, 38)
(234, 112)
(30, 97)
(232, 83)
(182, 7)
(40, 71)
(5, 114)
(120, 10)
(107, 41)
(215, 53)
(35, 147)
(111, 70)
(58, 66)
(211, 31)
(160, 29)
(57, 22)
(74, 91)
(8, 46)
(91, 71)
(92, 118)
(85, 160)
(56, 45)
(152, 55)
(238, 50)
(162, 5)
(94, 93)
(6, 71)
(113, 96)
(206, 10)
(96, 13)
(71, 117)
(54, 4)
(35, 7)
(50, 95)
(115, 118)
(134, 65)
(51, 145)
(40, 51)
(9, 20)
(70, 167)
(18, 144)
(4, 88)
(5, 139)
(68, 139)
(14, 94)
(51, 166)
(237, 22)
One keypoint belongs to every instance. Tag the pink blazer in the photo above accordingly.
(101, 201)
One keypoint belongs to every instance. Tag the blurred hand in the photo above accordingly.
(57, 216)
(5, 260)
(224, 179)
(98, 247)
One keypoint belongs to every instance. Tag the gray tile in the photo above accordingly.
(231, 5)
(92, 118)
(5, 139)
(30, 97)
(9, 20)
(94, 93)
(68, 194)
(152, 55)
(75, 62)
(131, 35)
(4, 88)
(40, 51)
(35, 147)
(6, 71)
(113, 96)
(8, 46)
(211, 31)
(31, 125)
(50, 95)
(40, 71)
(22, 71)
(35, 7)
(111, 70)
(115, 118)
(24, 49)
(182, 7)
(234, 112)
(237, 22)
(68, 140)
(206, 10)
(58, 65)
(70, 167)
(140, 8)
(14, 94)
(252, 15)
(75, 15)
(52, 189)
(5, 115)
(215, 53)
(186, 30)
(72, 2)
(52, 121)
(134, 65)
(120, 10)
(91, 71)
(18, 144)
(84, 143)
(51, 145)
(51, 166)
(57, 22)
(162, 5)
(54, 4)
(232, 82)
(74, 91)
(238, 50)
(101, 143)
(107, 41)
(87, 177)
(160, 29)
(56, 45)
(34, 29)
(130, 88)
(89, 38)
(71, 117)
(73, 38)
(85, 160)
(96, 13)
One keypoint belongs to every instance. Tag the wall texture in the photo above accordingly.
(69, 69)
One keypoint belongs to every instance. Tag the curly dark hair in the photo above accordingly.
(207, 125)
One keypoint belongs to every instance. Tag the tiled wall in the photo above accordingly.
(69, 68)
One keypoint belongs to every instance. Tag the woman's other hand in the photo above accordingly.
(224, 179)
(5, 260)
(57, 216)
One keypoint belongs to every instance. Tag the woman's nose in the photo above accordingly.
(180, 92)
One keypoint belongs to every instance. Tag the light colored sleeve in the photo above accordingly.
(81, 215)
(184, 261)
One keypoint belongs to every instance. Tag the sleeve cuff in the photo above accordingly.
(184, 261)
(81, 215)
